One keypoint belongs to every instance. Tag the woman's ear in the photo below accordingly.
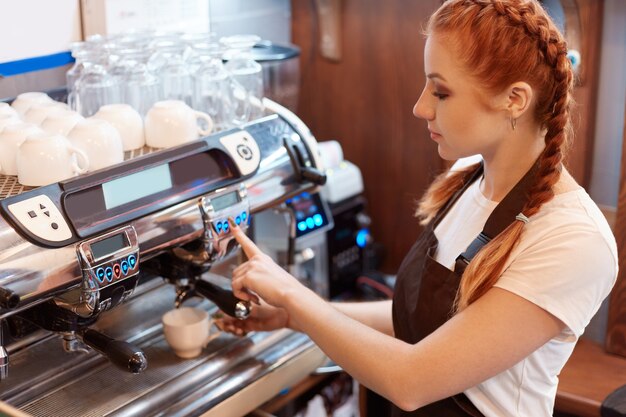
(519, 98)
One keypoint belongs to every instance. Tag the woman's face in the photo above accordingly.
(459, 122)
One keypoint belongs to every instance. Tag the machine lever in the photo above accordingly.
(224, 299)
(301, 171)
(120, 353)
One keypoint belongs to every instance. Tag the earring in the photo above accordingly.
(513, 123)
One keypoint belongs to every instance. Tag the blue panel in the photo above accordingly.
(35, 64)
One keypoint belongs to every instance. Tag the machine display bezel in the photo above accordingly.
(189, 176)
(109, 246)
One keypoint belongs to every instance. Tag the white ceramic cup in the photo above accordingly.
(186, 330)
(100, 141)
(44, 159)
(38, 112)
(61, 123)
(172, 122)
(10, 140)
(24, 101)
(6, 109)
(8, 119)
(127, 121)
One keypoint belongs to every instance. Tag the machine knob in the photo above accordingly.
(224, 299)
(120, 353)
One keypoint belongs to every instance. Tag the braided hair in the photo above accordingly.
(501, 42)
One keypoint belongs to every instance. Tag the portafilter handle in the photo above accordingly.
(224, 299)
(120, 353)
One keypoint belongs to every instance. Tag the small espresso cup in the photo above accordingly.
(61, 123)
(38, 112)
(8, 119)
(44, 159)
(127, 121)
(25, 101)
(10, 140)
(186, 330)
(99, 140)
(6, 109)
(172, 122)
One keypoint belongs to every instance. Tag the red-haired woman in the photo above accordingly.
(515, 258)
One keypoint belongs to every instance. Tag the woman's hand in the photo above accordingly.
(262, 318)
(260, 275)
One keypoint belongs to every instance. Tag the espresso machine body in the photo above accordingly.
(81, 263)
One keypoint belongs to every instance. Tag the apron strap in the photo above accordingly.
(502, 216)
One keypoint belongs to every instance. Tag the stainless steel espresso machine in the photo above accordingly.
(89, 265)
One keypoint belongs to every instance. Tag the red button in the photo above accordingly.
(116, 270)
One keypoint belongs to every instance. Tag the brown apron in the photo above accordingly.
(434, 286)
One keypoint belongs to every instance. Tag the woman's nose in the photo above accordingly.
(423, 109)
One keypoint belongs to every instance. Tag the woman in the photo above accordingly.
(515, 258)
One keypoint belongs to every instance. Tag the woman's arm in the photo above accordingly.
(488, 337)
(374, 314)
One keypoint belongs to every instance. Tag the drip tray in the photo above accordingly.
(258, 367)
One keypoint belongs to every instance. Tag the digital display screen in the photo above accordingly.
(109, 245)
(135, 186)
(224, 201)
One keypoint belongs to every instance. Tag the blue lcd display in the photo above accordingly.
(135, 186)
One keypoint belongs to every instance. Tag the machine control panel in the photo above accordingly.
(40, 216)
(109, 258)
(216, 208)
(244, 151)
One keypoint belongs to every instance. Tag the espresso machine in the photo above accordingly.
(89, 265)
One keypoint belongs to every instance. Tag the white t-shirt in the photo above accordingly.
(566, 263)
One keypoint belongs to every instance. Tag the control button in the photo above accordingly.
(109, 273)
(226, 227)
(244, 151)
(40, 225)
(124, 267)
(100, 274)
(310, 223)
(47, 213)
(218, 227)
(244, 216)
(238, 220)
(132, 261)
(302, 226)
(54, 226)
(116, 270)
(318, 219)
(32, 214)
(41, 206)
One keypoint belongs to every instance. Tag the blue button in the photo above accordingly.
(109, 273)
(362, 237)
(226, 227)
(100, 274)
(218, 227)
(302, 226)
(124, 267)
(238, 220)
(132, 261)
(310, 223)
(318, 219)
(244, 216)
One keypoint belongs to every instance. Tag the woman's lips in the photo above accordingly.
(434, 135)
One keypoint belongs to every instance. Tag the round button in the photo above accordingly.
(116, 270)
(226, 227)
(244, 216)
(238, 220)
(244, 151)
(124, 266)
(132, 261)
(109, 273)
(100, 274)
(54, 226)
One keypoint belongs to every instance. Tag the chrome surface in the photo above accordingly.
(37, 273)
(75, 384)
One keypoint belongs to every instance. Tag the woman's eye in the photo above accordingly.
(440, 96)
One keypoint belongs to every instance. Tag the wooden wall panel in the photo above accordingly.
(365, 102)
